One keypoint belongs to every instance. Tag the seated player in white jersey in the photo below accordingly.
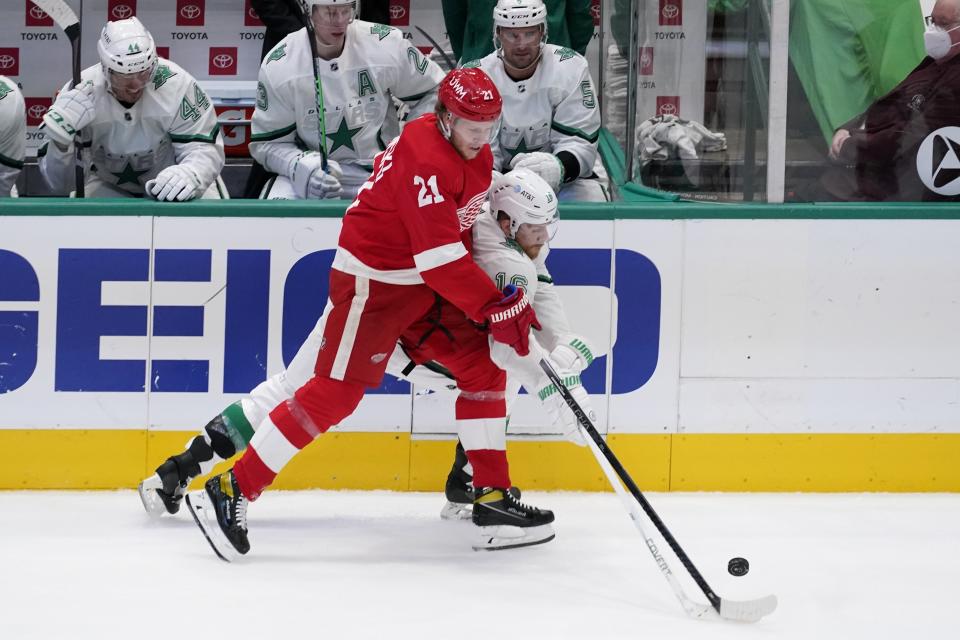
(147, 128)
(510, 245)
(363, 70)
(13, 135)
(551, 122)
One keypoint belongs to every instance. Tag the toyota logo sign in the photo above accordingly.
(252, 14)
(7, 62)
(36, 111)
(397, 11)
(190, 11)
(121, 12)
(37, 13)
(670, 11)
(222, 61)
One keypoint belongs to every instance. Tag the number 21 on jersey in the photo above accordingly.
(425, 197)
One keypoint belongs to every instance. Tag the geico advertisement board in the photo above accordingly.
(133, 322)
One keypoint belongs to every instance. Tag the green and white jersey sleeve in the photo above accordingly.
(552, 111)
(375, 66)
(173, 122)
(548, 305)
(13, 134)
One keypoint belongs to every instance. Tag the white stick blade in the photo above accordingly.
(747, 610)
(59, 11)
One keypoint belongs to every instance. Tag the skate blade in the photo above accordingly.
(456, 511)
(504, 536)
(206, 518)
(152, 502)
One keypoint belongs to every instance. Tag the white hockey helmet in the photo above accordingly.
(513, 14)
(125, 46)
(310, 4)
(520, 13)
(525, 198)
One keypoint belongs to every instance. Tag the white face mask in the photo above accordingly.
(937, 41)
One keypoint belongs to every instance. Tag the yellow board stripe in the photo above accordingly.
(112, 459)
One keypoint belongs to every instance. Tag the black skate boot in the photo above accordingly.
(459, 488)
(163, 491)
(507, 523)
(220, 510)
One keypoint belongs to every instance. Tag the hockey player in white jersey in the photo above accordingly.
(363, 67)
(550, 121)
(510, 245)
(13, 134)
(146, 126)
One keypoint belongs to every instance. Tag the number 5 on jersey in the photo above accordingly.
(433, 197)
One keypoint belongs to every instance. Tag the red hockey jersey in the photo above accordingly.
(409, 221)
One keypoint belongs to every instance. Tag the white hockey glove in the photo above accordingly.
(310, 181)
(560, 414)
(572, 353)
(545, 165)
(175, 183)
(71, 112)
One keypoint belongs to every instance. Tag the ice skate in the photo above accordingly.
(220, 510)
(459, 489)
(163, 491)
(507, 523)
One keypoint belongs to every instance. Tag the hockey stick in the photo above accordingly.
(61, 13)
(448, 59)
(739, 610)
(317, 83)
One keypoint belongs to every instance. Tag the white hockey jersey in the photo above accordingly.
(504, 260)
(173, 122)
(554, 110)
(376, 65)
(13, 134)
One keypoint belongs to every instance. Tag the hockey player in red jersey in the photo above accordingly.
(402, 245)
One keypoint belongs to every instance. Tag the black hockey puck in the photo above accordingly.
(738, 567)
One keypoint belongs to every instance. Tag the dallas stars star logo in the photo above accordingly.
(129, 174)
(520, 148)
(381, 30)
(343, 136)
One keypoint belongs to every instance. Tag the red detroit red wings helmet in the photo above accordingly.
(471, 95)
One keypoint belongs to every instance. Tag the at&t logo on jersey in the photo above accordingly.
(190, 13)
(35, 16)
(399, 13)
(36, 107)
(223, 61)
(9, 61)
(121, 9)
(671, 13)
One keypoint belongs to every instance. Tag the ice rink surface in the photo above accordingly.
(345, 565)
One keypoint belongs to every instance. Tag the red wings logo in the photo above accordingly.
(468, 213)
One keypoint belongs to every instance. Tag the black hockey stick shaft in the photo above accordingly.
(448, 59)
(66, 19)
(78, 141)
(317, 84)
(630, 484)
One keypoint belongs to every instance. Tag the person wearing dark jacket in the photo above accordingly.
(896, 148)
(469, 26)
